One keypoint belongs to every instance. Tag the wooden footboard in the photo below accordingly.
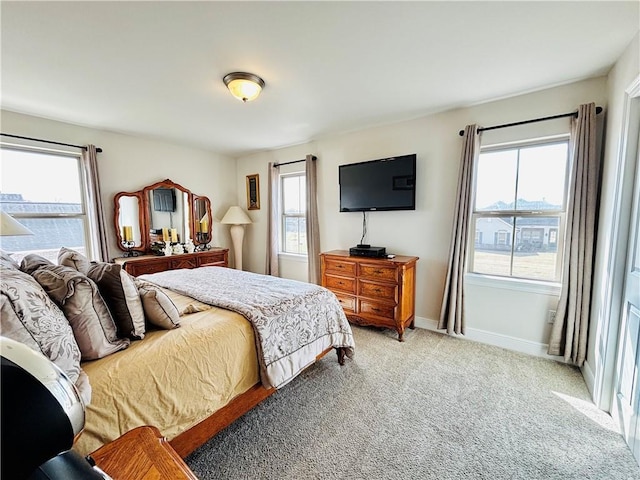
(188, 441)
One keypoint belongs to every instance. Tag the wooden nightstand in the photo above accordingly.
(142, 454)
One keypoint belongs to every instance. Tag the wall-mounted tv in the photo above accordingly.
(384, 184)
(164, 200)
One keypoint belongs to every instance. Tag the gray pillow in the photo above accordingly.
(29, 316)
(7, 261)
(73, 259)
(32, 262)
(80, 300)
(159, 309)
(117, 289)
(121, 296)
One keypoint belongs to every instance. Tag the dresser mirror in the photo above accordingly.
(168, 212)
(129, 221)
(163, 211)
(201, 220)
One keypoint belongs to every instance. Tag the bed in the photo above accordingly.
(193, 381)
(186, 351)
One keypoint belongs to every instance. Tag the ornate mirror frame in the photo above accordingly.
(195, 203)
(144, 232)
(201, 221)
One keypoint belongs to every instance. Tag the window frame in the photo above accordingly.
(516, 214)
(83, 215)
(284, 216)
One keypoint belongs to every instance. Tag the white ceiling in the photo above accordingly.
(155, 68)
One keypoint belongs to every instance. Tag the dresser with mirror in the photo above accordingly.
(164, 212)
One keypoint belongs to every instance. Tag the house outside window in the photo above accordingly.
(519, 210)
(294, 221)
(43, 190)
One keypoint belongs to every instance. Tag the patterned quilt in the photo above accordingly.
(293, 321)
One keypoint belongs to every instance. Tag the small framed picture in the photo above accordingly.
(253, 192)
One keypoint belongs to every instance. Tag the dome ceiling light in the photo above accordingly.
(244, 86)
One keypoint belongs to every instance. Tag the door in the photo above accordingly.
(626, 401)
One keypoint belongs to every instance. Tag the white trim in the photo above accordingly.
(602, 388)
(517, 284)
(589, 377)
(293, 257)
(496, 339)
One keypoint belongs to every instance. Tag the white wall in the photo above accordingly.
(503, 316)
(617, 185)
(129, 163)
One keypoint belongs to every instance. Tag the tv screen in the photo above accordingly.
(385, 184)
(164, 200)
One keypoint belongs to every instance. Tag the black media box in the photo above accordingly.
(375, 252)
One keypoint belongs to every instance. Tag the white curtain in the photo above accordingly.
(313, 225)
(95, 211)
(273, 223)
(452, 311)
(570, 329)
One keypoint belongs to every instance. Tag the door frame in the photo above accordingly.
(607, 341)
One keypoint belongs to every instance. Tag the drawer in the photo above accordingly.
(347, 302)
(379, 272)
(183, 263)
(341, 267)
(378, 290)
(212, 258)
(342, 284)
(136, 269)
(377, 309)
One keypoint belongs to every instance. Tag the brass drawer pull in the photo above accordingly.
(377, 272)
(377, 290)
(340, 266)
(375, 309)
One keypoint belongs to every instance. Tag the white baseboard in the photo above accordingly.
(495, 339)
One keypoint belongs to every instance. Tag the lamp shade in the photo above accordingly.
(244, 86)
(10, 226)
(235, 216)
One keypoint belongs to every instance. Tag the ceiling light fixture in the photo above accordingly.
(244, 86)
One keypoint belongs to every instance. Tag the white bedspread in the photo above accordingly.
(293, 321)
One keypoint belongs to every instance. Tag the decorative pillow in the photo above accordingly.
(29, 316)
(80, 300)
(7, 261)
(32, 262)
(73, 259)
(117, 289)
(159, 309)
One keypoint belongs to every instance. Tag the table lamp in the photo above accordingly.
(9, 226)
(237, 218)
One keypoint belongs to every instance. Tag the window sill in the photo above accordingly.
(293, 257)
(518, 284)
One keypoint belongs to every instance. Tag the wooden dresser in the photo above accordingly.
(373, 291)
(153, 263)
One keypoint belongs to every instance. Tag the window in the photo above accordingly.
(43, 190)
(519, 210)
(294, 220)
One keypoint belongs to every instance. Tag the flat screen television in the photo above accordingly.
(164, 200)
(384, 184)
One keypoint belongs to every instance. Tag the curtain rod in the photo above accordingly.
(99, 150)
(294, 161)
(524, 122)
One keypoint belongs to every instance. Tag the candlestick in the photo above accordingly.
(174, 235)
(127, 233)
(204, 226)
(165, 234)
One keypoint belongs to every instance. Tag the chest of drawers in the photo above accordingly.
(152, 263)
(372, 291)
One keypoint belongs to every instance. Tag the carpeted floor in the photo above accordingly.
(433, 407)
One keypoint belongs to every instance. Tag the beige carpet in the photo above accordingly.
(433, 407)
